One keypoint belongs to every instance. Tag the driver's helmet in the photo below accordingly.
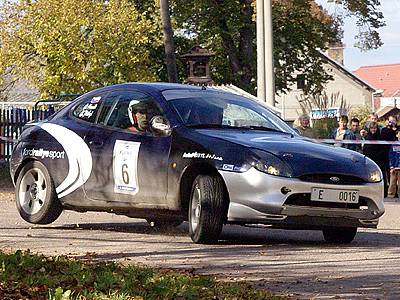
(134, 107)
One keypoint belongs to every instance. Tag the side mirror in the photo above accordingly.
(160, 126)
(297, 131)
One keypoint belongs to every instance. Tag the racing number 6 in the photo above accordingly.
(125, 175)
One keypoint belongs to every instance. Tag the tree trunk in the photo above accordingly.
(168, 42)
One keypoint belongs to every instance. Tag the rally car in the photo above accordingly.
(170, 153)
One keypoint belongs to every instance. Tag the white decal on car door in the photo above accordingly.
(79, 157)
(125, 159)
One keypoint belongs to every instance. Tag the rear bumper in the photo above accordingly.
(256, 198)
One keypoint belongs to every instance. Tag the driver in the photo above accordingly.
(137, 112)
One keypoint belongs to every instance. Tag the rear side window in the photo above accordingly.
(87, 110)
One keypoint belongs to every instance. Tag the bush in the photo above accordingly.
(323, 127)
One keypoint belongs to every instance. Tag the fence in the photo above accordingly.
(13, 117)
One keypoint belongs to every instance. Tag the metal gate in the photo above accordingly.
(14, 116)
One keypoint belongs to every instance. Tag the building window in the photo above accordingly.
(301, 82)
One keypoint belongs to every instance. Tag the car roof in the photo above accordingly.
(154, 86)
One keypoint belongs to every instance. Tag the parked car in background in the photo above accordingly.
(170, 153)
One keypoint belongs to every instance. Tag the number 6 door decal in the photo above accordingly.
(125, 160)
(125, 174)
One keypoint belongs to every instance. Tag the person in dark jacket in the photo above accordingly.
(343, 133)
(355, 128)
(376, 152)
(388, 133)
(394, 163)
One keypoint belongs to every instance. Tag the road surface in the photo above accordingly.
(294, 263)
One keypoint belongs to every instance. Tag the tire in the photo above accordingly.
(207, 209)
(36, 198)
(339, 235)
(164, 223)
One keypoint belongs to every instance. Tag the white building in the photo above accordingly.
(354, 90)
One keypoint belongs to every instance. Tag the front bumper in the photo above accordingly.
(257, 198)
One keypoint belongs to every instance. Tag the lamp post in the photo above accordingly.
(260, 51)
(265, 60)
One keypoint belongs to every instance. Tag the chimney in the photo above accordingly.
(335, 52)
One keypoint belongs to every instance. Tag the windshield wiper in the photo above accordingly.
(205, 125)
(251, 127)
(263, 128)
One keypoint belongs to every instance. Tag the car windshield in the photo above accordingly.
(223, 110)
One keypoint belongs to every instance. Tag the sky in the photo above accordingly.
(389, 53)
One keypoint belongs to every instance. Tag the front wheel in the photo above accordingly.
(207, 209)
(36, 198)
(339, 235)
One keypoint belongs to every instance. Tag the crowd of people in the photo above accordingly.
(387, 157)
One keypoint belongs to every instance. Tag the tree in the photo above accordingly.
(72, 47)
(301, 30)
(6, 83)
(369, 19)
(168, 41)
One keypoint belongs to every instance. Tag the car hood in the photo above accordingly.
(304, 156)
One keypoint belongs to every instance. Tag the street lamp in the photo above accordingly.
(265, 59)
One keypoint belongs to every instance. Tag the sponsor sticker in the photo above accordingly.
(88, 110)
(125, 158)
(228, 167)
(95, 100)
(43, 153)
(202, 156)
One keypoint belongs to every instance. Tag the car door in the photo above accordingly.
(128, 165)
(69, 131)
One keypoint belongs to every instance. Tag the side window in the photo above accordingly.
(133, 111)
(107, 108)
(87, 110)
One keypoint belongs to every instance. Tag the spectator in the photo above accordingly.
(302, 124)
(394, 163)
(355, 128)
(388, 133)
(376, 152)
(373, 117)
(343, 133)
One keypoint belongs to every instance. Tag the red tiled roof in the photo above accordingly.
(383, 77)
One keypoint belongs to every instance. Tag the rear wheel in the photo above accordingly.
(36, 198)
(207, 209)
(339, 235)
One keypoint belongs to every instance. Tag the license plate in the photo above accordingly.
(331, 195)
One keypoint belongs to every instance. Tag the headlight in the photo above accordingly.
(374, 172)
(270, 164)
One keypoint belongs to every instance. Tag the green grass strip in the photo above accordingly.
(4, 171)
(24, 275)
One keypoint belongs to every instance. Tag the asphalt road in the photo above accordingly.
(294, 263)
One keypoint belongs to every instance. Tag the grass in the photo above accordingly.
(4, 171)
(24, 275)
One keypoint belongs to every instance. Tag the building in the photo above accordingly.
(354, 90)
(386, 78)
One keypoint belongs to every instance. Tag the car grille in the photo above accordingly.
(326, 178)
(304, 199)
